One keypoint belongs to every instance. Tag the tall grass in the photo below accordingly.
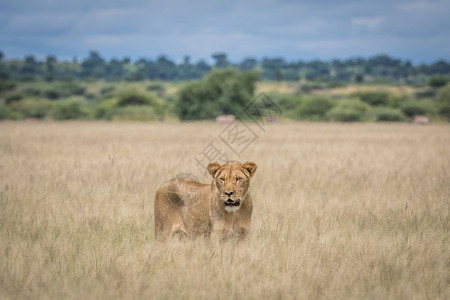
(341, 211)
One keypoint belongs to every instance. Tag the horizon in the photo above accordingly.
(209, 60)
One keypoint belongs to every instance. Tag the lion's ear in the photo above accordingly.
(250, 167)
(212, 168)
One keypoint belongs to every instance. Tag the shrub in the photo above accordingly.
(136, 98)
(386, 114)
(33, 91)
(427, 93)
(6, 113)
(413, 108)
(7, 85)
(396, 101)
(33, 108)
(135, 113)
(314, 108)
(374, 98)
(68, 110)
(52, 94)
(443, 102)
(107, 90)
(226, 91)
(105, 109)
(437, 81)
(288, 103)
(13, 98)
(156, 88)
(311, 86)
(71, 88)
(349, 110)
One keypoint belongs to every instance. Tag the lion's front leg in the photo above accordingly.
(220, 232)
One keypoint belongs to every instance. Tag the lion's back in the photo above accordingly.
(178, 203)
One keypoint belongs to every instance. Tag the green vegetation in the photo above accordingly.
(374, 98)
(443, 102)
(386, 114)
(221, 91)
(314, 108)
(376, 69)
(349, 110)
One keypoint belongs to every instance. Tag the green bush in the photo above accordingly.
(56, 91)
(349, 110)
(438, 81)
(71, 88)
(396, 101)
(13, 98)
(7, 85)
(157, 88)
(374, 98)
(137, 98)
(311, 86)
(33, 108)
(386, 114)
(33, 91)
(443, 102)
(7, 113)
(288, 103)
(107, 91)
(135, 113)
(427, 93)
(226, 91)
(413, 108)
(314, 108)
(105, 109)
(69, 110)
(53, 94)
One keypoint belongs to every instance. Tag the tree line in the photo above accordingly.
(379, 68)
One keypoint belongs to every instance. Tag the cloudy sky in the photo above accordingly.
(415, 30)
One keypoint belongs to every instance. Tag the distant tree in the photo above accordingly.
(30, 66)
(374, 98)
(248, 64)
(272, 68)
(359, 78)
(50, 65)
(93, 66)
(314, 108)
(186, 60)
(225, 91)
(438, 81)
(221, 60)
(443, 99)
(115, 69)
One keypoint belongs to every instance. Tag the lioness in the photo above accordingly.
(195, 209)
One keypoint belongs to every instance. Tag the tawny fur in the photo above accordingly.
(193, 209)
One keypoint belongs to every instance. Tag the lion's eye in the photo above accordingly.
(222, 179)
(238, 179)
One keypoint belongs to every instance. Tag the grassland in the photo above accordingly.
(341, 211)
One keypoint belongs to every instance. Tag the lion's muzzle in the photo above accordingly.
(231, 202)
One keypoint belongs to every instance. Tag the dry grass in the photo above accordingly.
(283, 87)
(342, 211)
(350, 89)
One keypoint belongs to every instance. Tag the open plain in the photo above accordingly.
(341, 211)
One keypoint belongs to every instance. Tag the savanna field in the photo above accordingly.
(342, 211)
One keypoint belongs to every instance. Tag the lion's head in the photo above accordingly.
(232, 181)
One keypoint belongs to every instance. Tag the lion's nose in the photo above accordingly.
(229, 193)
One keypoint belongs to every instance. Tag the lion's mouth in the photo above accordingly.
(230, 202)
